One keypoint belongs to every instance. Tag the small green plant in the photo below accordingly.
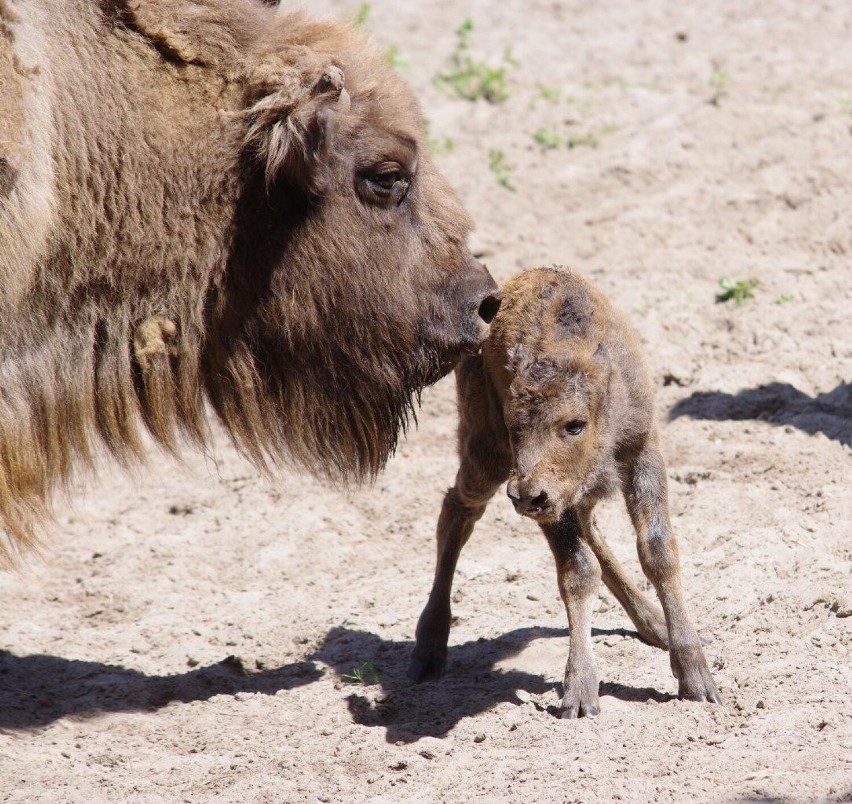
(394, 57)
(501, 168)
(440, 145)
(546, 138)
(583, 140)
(784, 298)
(846, 105)
(736, 290)
(471, 79)
(550, 94)
(719, 82)
(362, 15)
(366, 673)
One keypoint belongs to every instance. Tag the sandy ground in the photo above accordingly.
(193, 634)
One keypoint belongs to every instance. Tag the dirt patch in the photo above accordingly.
(205, 635)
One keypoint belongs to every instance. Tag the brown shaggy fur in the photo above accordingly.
(189, 212)
(560, 404)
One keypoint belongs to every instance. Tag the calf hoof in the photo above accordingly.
(694, 680)
(702, 689)
(427, 665)
(581, 697)
(575, 710)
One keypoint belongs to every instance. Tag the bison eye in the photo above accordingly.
(386, 180)
(574, 428)
(385, 184)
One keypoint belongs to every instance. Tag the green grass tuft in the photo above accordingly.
(362, 15)
(550, 94)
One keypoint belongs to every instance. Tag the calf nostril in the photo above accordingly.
(539, 501)
(489, 306)
(513, 494)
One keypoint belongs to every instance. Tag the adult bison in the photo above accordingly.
(212, 200)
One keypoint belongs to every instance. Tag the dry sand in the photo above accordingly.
(115, 681)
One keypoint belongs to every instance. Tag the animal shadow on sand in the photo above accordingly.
(777, 403)
(471, 684)
(38, 690)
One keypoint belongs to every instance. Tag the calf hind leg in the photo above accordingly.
(648, 619)
(463, 506)
(578, 575)
(646, 494)
(486, 461)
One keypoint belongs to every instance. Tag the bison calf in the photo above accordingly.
(560, 404)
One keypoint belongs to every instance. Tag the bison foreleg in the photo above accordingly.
(485, 464)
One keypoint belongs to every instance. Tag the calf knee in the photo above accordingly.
(658, 551)
(579, 573)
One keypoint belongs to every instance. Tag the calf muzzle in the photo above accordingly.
(529, 500)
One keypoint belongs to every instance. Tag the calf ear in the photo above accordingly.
(290, 127)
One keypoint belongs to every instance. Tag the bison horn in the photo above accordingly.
(331, 79)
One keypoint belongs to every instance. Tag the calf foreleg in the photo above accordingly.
(578, 575)
(646, 494)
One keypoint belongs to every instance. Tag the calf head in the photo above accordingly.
(351, 286)
(555, 414)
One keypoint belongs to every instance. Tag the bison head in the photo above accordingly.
(349, 285)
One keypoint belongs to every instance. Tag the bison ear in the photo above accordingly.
(290, 128)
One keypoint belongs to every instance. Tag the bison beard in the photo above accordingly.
(238, 251)
(351, 379)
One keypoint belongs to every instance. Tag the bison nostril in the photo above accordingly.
(539, 501)
(488, 307)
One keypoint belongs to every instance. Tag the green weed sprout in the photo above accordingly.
(366, 673)
(719, 84)
(547, 139)
(736, 290)
(470, 79)
(501, 168)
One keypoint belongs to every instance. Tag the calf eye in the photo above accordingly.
(574, 428)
